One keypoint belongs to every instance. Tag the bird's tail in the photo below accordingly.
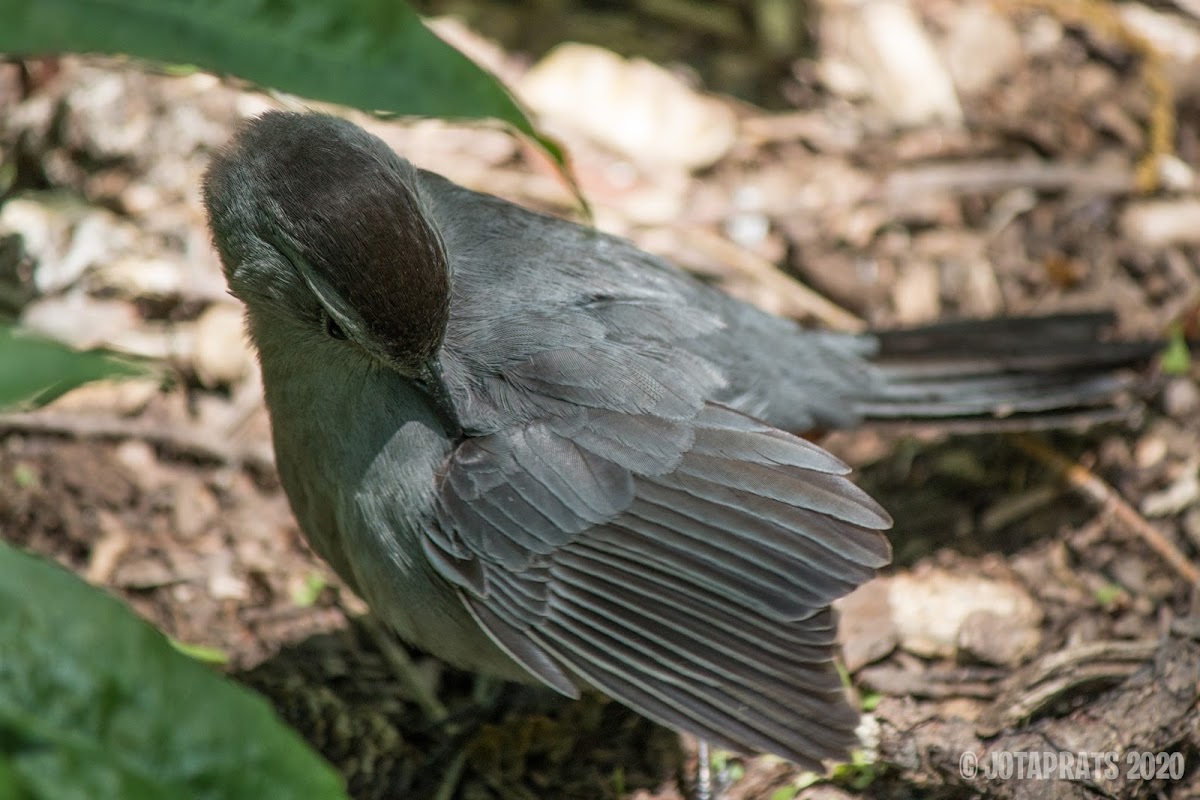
(1014, 371)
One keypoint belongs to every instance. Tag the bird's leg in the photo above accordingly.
(487, 694)
(703, 771)
(405, 671)
(710, 786)
(486, 690)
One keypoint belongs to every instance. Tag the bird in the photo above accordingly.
(541, 453)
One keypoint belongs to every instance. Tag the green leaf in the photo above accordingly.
(201, 652)
(860, 773)
(618, 781)
(25, 477)
(1177, 358)
(34, 371)
(376, 55)
(307, 594)
(96, 704)
(807, 778)
(1108, 594)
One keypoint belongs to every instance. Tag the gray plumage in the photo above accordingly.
(538, 451)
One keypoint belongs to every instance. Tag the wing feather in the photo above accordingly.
(683, 567)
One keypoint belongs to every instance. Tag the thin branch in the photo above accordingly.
(1110, 501)
(185, 441)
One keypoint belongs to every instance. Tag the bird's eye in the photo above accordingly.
(332, 329)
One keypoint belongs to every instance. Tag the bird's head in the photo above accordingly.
(322, 233)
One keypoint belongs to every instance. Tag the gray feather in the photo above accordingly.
(540, 451)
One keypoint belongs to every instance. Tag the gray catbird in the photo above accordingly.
(539, 452)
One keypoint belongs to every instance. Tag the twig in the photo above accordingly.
(799, 300)
(1189, 7)
(1110, 501)
(1034, 687)
(452, 777)
(185, 441)
(992, 176)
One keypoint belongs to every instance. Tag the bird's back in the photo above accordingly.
(563, 285)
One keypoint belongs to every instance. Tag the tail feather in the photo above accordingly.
(1015, 366)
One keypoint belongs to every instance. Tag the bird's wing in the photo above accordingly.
(684, 567)
(605, 522)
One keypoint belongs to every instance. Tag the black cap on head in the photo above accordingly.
(321, 190)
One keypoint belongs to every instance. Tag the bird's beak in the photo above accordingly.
(429, 379)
